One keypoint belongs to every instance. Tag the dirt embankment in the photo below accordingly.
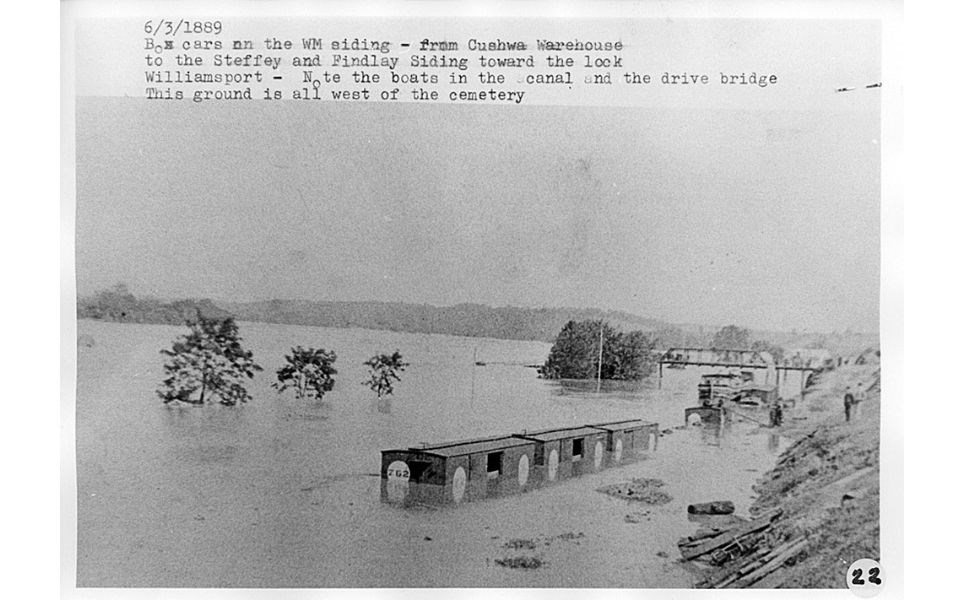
(818, 510)
(827, 482)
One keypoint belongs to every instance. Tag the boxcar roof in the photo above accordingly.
(621, 425)
(459, 442)
(548, 435)
(474, 447)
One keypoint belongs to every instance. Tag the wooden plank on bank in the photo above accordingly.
(711, 544)
(701, 536)
(731, 570)
(771, 566)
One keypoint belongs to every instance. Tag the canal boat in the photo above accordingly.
(757, 395)
(712, 415)
(715, 389)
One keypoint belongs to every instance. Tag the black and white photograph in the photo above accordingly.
(485, 302)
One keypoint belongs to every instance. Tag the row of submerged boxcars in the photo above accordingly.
(453, 472)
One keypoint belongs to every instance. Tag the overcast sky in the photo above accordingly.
(768, 219)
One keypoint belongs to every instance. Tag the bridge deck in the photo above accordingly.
(738, 365)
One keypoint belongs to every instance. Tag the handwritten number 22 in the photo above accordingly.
(874, 576)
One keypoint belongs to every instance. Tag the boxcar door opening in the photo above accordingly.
(494, 464)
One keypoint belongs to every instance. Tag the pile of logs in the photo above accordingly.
(741, 554)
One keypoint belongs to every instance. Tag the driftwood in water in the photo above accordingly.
(717, 507)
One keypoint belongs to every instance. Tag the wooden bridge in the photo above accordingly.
(716, 357)
(732, 358)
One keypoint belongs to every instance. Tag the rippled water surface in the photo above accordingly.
(282, 493)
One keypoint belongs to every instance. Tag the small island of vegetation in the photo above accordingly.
(576, 354)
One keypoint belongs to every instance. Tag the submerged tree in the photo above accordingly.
(576, 353)
(206, 364)
(384, 369)
(309, 371)
(636, 358)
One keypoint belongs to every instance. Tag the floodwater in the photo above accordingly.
(281, 493)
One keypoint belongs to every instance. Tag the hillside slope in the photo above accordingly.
(827, 483)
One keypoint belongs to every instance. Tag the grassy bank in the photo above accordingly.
(827, 482)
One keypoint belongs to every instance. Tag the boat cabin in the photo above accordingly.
(715, 388)
(757, 395)
(713, 415)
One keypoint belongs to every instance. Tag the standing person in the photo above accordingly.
(776, 414)
(848, 402)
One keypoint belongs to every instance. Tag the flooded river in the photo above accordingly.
(281, 493)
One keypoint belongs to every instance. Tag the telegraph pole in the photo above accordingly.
(600, 359)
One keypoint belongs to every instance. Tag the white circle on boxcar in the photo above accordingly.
(598, 455)
(552, 464)
(523, 470)
(618, 451)
(459, 484)
(398, 481)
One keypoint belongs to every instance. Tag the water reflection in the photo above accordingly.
(178, 415)
(711, 434)
(773, 442)
(203, 434)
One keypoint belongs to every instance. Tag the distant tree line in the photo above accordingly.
(733, 337)
(739, 338)
(118, 304)
(576, 353)
(473, 320)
